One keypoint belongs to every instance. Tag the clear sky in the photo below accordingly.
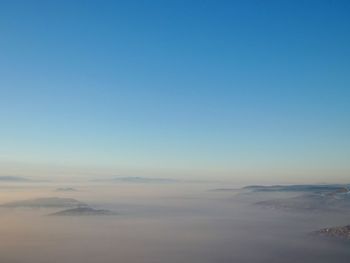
(241, 90)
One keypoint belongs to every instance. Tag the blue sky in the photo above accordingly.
(254, 90)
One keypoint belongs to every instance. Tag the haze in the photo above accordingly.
(161, 223)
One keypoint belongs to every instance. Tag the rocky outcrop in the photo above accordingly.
(342, 232)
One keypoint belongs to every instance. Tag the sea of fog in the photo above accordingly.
(161, 223)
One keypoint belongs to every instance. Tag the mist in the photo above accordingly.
(181, 222)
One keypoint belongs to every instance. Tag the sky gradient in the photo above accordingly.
(238, 90)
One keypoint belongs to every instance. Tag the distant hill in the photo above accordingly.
(296, 188)
(65, 189)
(135, 179)
(13, 179)
(225, 190)
(314, 198)
(83, 211)
(45, 203)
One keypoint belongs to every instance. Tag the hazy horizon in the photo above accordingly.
(158, 223)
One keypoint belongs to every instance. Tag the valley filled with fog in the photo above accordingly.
(164, 222)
